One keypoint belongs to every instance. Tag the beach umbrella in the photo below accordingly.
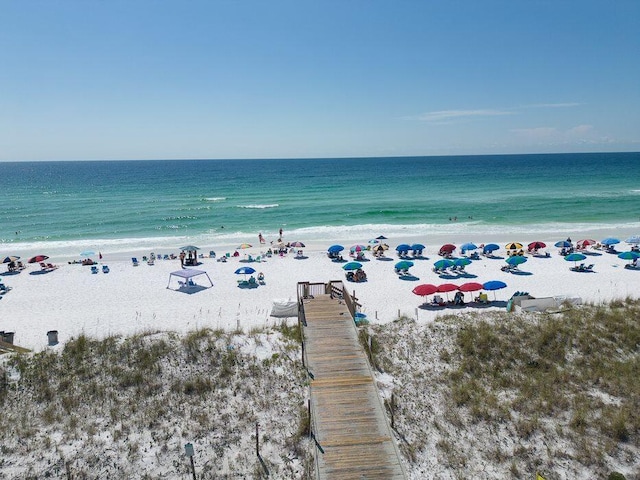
(634, 240)
(447, 248)
(189, 248)
(245, 271)
(381, 237)
(374, 241)
(417, 246)
(381, 247)
(444, 263)
(537, 245)
(513, 246)
(470, 287)
(297, 245)
(335, 248)
(491, 247)
(516, 260)
(461, 262)
(10, 258)
(403, 247)
(357, 248)
(425, 289)
(629, 255)
(38, 259)
(403, 265)
(242, 246)
(447, 287)
(610, 241)
(494, 285)
(468, 246)
(585, 243)
(562, 244)
(352, 266)
(575, 257)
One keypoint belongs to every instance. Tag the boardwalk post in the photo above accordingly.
(392, 408)
(257, 441)
(309, 416)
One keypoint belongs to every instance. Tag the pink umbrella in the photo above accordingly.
(582, 244)
(425, 289)
(447, 287)
(470, 287)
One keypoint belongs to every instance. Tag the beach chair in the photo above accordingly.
(212, 254)
(105, 269)
(4, 289)
(134, 261)
(94, 269)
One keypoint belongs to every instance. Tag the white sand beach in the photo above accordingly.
(132, 299)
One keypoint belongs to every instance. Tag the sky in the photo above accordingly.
(218, 79)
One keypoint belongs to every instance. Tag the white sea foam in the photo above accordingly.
(258, 206)
(214, 199)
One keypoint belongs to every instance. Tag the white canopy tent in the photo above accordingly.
(187, 274)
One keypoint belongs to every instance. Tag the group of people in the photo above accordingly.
(357, 276)
(15, 266)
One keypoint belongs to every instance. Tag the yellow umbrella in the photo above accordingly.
(244, 245)
(513, 246)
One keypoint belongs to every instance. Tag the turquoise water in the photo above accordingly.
(120, 203)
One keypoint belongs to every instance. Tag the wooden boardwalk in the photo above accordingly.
(348, 418)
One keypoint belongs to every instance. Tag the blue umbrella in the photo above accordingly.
(417, 246)
(494, 285)
(444, 263)
(403, 247)
(634, 239)
(468, 246)
(562, 244)
(245, 271)
(516, 260)
(404, 265)
(610, 241)
(629, 255)
(461, 262)
(575, 257)
(491, 247)
(335, 248)
(352, 266)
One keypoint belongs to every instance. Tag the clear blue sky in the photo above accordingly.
(143, 79)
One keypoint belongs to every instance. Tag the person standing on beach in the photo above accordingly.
(182, 255)
(260, 238)
(280, 233)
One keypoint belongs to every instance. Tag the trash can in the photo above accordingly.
(8, 337)
(52, 336)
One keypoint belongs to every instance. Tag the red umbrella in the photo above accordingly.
(38, 259)
(425, 289)
(447, 287)
(448, 248)
(582, 244)
(536, 245)
(470, 287)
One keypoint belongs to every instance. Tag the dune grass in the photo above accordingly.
(520, 393)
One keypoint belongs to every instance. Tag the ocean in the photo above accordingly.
(125, 205)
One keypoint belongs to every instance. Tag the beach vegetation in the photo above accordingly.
(567, 379)
(130, 404)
